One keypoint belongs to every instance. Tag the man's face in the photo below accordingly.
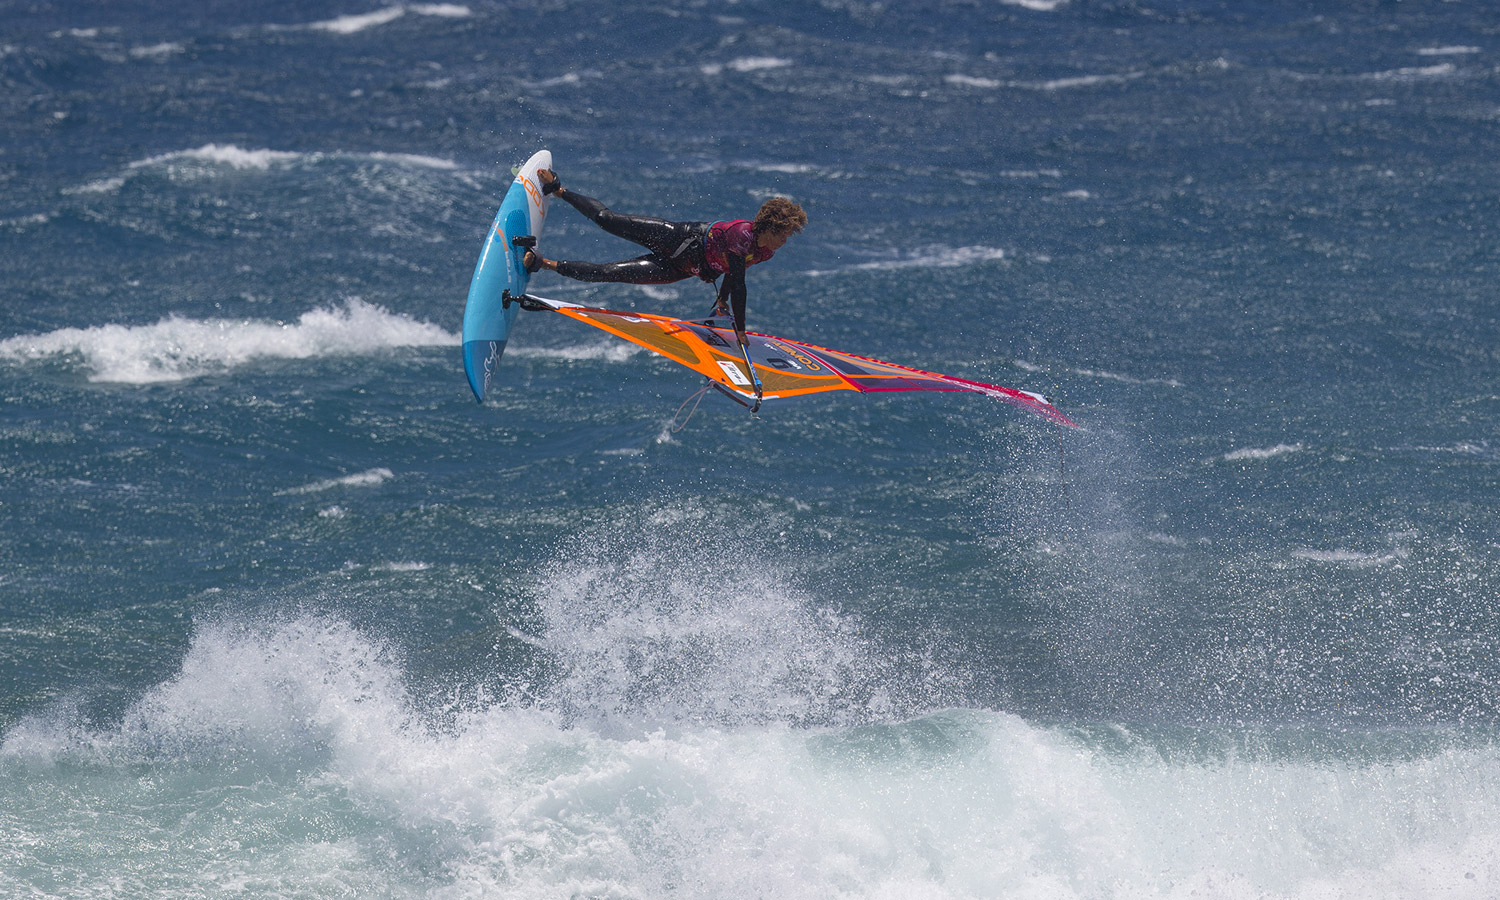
(773, 240)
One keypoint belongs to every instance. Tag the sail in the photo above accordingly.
(784, 368)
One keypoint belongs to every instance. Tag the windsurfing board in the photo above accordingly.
(501, 274)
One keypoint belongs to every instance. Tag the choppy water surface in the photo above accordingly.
(283, 613)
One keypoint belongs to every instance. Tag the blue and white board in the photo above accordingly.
(487, 321)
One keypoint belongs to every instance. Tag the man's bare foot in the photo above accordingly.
(533, 261)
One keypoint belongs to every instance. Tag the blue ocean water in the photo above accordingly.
(283, 613)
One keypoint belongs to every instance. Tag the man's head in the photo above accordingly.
(778, 219)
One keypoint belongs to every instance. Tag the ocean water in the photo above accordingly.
(284, 613)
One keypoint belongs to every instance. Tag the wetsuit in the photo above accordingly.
(678, 250)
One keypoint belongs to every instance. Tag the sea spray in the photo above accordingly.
(295, 737)
(668, 615)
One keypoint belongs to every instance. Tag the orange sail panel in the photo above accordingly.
(787, 368)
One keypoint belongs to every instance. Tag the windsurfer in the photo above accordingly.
(679, 250)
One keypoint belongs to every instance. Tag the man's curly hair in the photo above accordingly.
(779, 214)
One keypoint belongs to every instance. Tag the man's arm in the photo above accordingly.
(733, 289)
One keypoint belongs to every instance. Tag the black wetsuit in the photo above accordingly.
(677, 252)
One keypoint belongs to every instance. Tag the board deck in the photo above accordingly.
(500, 273)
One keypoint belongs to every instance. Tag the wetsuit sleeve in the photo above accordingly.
(734, 289)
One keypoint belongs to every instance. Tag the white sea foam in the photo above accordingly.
(402, 567)
(1462, 448)
(177, 348)
(21, 223)
(1456, 50)
(289, 757)
(972, 81)
(157, 51)
(356, 23)
(242, 159)
(367, 478)
(416, 159)
(1440, 70)
(1168, 540)
(102, 186)
(954, 257)
(1352, 558)
(758, 63)
(888, 80)
(659, 293)
(222, 154)
(614, 352)
(710, 730)
(747, 64)
(925, 258)
(1257, 453)
(1125, 379)
(567, 79)
(442, 10)
(1079, 81)
(784, 168)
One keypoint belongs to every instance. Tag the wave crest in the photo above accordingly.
(179, 349)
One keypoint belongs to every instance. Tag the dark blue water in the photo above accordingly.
(283, 613)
